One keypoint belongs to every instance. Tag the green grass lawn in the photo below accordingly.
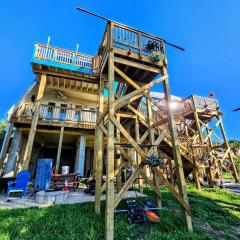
(216, 215)
(227, 175)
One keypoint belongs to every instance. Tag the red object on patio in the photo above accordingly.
(72, 180)
(66, 188)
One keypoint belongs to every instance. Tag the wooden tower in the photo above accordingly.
(203, 143)
(136, 61)
(208, 138)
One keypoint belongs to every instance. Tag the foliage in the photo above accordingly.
(2, 132)
(216, 215)
(234, 144)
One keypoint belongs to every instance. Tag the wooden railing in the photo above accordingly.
(130, 38)
(62, 56)
(57, 114)
(204, 102)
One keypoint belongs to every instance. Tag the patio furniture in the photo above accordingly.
(4, 183)
(21, 183)
(58, 180)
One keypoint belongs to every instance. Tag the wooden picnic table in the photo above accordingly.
(72, 179)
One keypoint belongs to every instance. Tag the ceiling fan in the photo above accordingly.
(58, 94)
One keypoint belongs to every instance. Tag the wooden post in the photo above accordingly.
(235, 174)
(59, 149)
(82, 153)
(195, 168)
(140, 181)
(210, 172)
(171, 170)
(32, 132)
(176, 153)
(5, 144)
(152, 141)
(118, 159)
(109, 212)
(99, 150)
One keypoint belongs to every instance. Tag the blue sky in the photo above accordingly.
(208, 29)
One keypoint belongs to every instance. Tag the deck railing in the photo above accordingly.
(129, 38)
(68, 58)
(137, 41)
(204, 102)
(58, 114)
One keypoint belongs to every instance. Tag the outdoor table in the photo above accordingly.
(72, 179)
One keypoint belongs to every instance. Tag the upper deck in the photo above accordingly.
(138, 54)
(51, 59)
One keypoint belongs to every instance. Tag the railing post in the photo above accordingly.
(139, 45)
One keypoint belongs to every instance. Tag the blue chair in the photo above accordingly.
(21, 183)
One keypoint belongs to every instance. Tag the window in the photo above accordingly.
(63, 112)
(50, 109)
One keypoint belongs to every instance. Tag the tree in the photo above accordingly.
(234, 145)
(2, 131)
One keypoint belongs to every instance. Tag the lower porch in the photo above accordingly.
(65, 147)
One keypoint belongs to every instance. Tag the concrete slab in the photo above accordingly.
(73, 197)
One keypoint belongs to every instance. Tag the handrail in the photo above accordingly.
(129, 38)
(62, 56)
(125, 37)
(58, 113)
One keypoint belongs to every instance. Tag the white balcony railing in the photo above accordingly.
(58, 114)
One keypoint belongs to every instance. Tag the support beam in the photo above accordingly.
(137, 134)
(82, 152)
(181, 200)
(32, 132)
(235, 174)
(176, 153)
(14, 153)
(59, 150)
(195, 167)
(118, 158)
(109, 212)
(152, 141)
(99, 150)
(5, 144)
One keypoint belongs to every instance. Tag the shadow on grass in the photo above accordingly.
(211, 218)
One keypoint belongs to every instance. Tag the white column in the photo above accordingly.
(81, 157)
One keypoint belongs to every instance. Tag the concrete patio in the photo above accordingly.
(73, 197)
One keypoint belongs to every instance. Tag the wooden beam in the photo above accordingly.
(137, 134)
(177, 157)
(152, 141)
(59, 150)
(32, 132)
(139, 90)
(126, 186)
(235, 173)
(99, 150)
(109, 212)
(118, 159)
(5, 144)
(143, 137)
(136, 112)
(136, 65)
(142, 173)
(76, 76)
